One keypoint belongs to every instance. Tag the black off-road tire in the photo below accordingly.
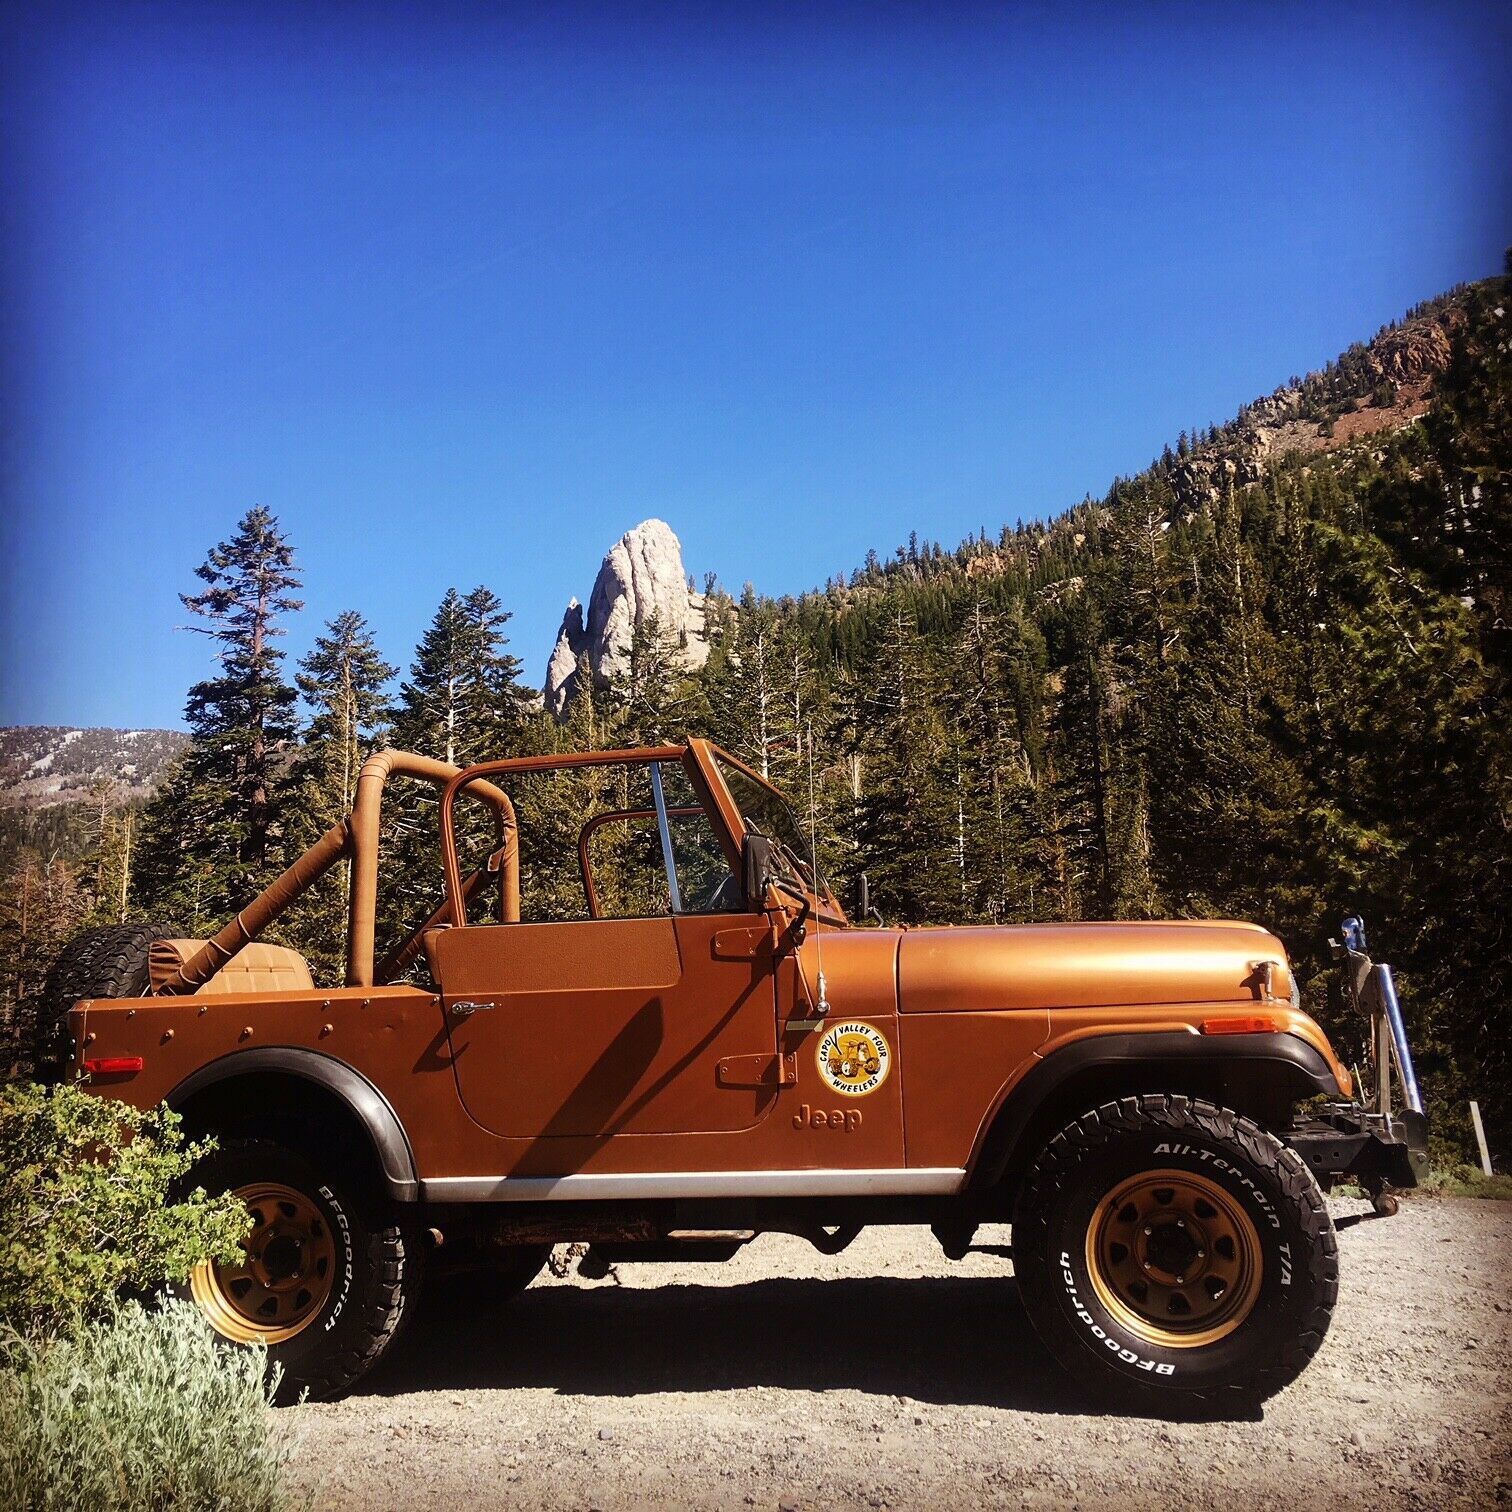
(1299, 1278)
(378, 1271)
(100, 963)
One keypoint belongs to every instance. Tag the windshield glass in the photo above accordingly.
(767, 813)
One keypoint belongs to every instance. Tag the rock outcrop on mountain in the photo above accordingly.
(562, 669)
(641, 577)
(1377, 386)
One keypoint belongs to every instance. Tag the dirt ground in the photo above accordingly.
(888, 1377)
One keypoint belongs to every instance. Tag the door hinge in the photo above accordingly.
(742, 944)
(758, 1071)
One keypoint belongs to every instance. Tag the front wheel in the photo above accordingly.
(324, 1282)
(1171, 1250)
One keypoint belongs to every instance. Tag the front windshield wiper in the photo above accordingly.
(796, 862)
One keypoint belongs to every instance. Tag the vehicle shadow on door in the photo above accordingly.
(948, 1341)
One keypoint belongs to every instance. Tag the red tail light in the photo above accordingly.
(114, 1065)
(1240, 1026)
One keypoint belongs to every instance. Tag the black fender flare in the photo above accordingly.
(370, 1108)
(1287, 1059)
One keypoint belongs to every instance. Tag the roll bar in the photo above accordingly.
(471, 777)
(357, 836)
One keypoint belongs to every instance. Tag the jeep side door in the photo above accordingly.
(655, 1023)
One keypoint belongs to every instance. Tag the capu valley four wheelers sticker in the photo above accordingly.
(854, 1059)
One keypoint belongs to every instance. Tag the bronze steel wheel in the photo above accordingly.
(286, 1279)
(1169, 1250)
(1174, 1258)
(328, 1275)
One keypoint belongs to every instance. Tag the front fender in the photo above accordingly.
(1243, 1071)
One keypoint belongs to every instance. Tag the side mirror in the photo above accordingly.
(863, 899)
(755, 869)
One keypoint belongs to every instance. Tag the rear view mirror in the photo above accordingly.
(863, 898)
(756, 869)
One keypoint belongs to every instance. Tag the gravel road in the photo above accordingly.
(888, 1377)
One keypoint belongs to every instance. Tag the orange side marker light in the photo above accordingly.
(1255, 1025)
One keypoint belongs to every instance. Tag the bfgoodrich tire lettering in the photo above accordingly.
(369, 1277)
(1279, 1300)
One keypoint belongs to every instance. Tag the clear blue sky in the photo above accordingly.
(462, 293)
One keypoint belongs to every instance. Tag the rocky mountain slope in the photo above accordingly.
(1375, 388)
(641, 576)
(47, 764)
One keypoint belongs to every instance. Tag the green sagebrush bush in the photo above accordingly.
(139, 1410)
(90, 1206)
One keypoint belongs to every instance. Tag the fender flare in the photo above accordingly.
(362, 1099)
(1287, 1057)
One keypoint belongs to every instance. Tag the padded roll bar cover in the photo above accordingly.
(367, 1104)
(257, 967)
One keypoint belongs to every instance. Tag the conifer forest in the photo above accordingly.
(1275, 693)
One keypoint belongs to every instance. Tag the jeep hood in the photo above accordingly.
(1087, 966)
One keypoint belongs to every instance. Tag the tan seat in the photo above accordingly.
(254, 968)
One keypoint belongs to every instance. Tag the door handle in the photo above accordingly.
(465, 1009)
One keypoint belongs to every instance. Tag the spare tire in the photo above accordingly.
(100, 963)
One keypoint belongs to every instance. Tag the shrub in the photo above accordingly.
(140, 1410)
(89, 1206)
(1461, 1179)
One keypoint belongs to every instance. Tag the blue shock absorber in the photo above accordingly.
(1393, 1008)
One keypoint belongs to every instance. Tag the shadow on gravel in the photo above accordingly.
(955, 1342)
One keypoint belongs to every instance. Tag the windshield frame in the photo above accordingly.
(817, 889)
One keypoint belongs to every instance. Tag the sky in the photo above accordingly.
(462, 293)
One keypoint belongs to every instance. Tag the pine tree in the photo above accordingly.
(343, 681)
(761, 690)
(997, 854)
(43, 904)
(652, 699)
(906, 816)
(220, 850)
(464, 702)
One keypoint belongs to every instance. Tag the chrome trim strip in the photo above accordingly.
(942, 1181)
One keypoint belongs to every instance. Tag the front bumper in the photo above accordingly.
(1345, 1142)
(1370, 1141)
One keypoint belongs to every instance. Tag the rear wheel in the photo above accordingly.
(1171, 1250)
(325, 1281)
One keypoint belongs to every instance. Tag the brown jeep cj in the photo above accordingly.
(704, 1046)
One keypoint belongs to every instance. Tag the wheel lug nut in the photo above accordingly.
(1181, 1223)
(1148, 1229)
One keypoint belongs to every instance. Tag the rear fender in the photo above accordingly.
(364, 1105)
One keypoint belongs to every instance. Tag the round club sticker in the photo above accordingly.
(854, 1059)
